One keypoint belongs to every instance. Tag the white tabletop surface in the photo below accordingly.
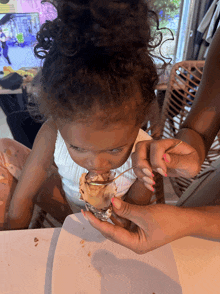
(10, 92)
(29, 265)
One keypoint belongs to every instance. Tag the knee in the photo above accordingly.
(6, 143)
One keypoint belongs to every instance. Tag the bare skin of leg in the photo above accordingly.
(12, 158)
(51, 197)
(7, 186)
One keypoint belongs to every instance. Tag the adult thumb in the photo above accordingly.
(124, 209)
(182, 165)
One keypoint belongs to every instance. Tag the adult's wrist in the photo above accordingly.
(192, 220)
(205, 221)
(186, 223)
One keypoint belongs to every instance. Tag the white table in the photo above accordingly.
(36, 266)
(10, 92)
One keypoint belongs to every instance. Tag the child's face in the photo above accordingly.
(97, 149)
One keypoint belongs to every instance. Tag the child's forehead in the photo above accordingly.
(94, 137)
(91, 126)
(106, 117)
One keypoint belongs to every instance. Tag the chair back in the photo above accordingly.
(183, 84)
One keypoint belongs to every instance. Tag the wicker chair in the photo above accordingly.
(184, 80)
(43, 218)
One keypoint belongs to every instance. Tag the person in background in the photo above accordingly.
(199, 214)
(4, 46)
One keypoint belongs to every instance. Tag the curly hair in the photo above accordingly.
(96, 52)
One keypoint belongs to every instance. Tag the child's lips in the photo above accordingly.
(100, 171)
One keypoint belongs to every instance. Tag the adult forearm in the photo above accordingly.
(205, 221)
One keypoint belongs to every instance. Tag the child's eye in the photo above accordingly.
(78, 149)
(117, 150)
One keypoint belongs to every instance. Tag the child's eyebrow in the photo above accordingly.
(73, 146)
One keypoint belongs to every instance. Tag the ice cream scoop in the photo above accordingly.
(98, 198)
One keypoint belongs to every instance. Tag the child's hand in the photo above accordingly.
(151, 156)
(155, 225)
(19, 217)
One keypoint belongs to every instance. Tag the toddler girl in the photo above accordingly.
(96, 88)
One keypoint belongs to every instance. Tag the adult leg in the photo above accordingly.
(5, 54)
(204, 191)
(13, 156)
(50, 198)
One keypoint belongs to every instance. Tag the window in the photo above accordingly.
(169, 12)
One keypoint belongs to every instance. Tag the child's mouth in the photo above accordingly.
(100, 172)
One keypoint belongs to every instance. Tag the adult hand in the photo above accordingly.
(151, 156)
(153, 225)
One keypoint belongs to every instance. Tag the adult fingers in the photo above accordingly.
(140, 156)
(157, 150)
(141, 160)
(187, 166)
(124, 223)
(182, 158)
(151, 156)
(119, 221)
(134, 213)
(114, 233)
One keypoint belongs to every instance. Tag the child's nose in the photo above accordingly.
(99, 163)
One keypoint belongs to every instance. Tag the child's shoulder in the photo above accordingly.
(50, 126)
(44, 144)
(48, 131)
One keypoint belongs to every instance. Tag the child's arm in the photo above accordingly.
(138, 194)
(34, 173)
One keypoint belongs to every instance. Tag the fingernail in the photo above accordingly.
(166, 158)
(116, 203)
(148, 181)
(147, 172)
(160, 171)
(83, 213)
(149, 187)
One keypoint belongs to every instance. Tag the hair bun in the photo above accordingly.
(99, 27)
(115, 25)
